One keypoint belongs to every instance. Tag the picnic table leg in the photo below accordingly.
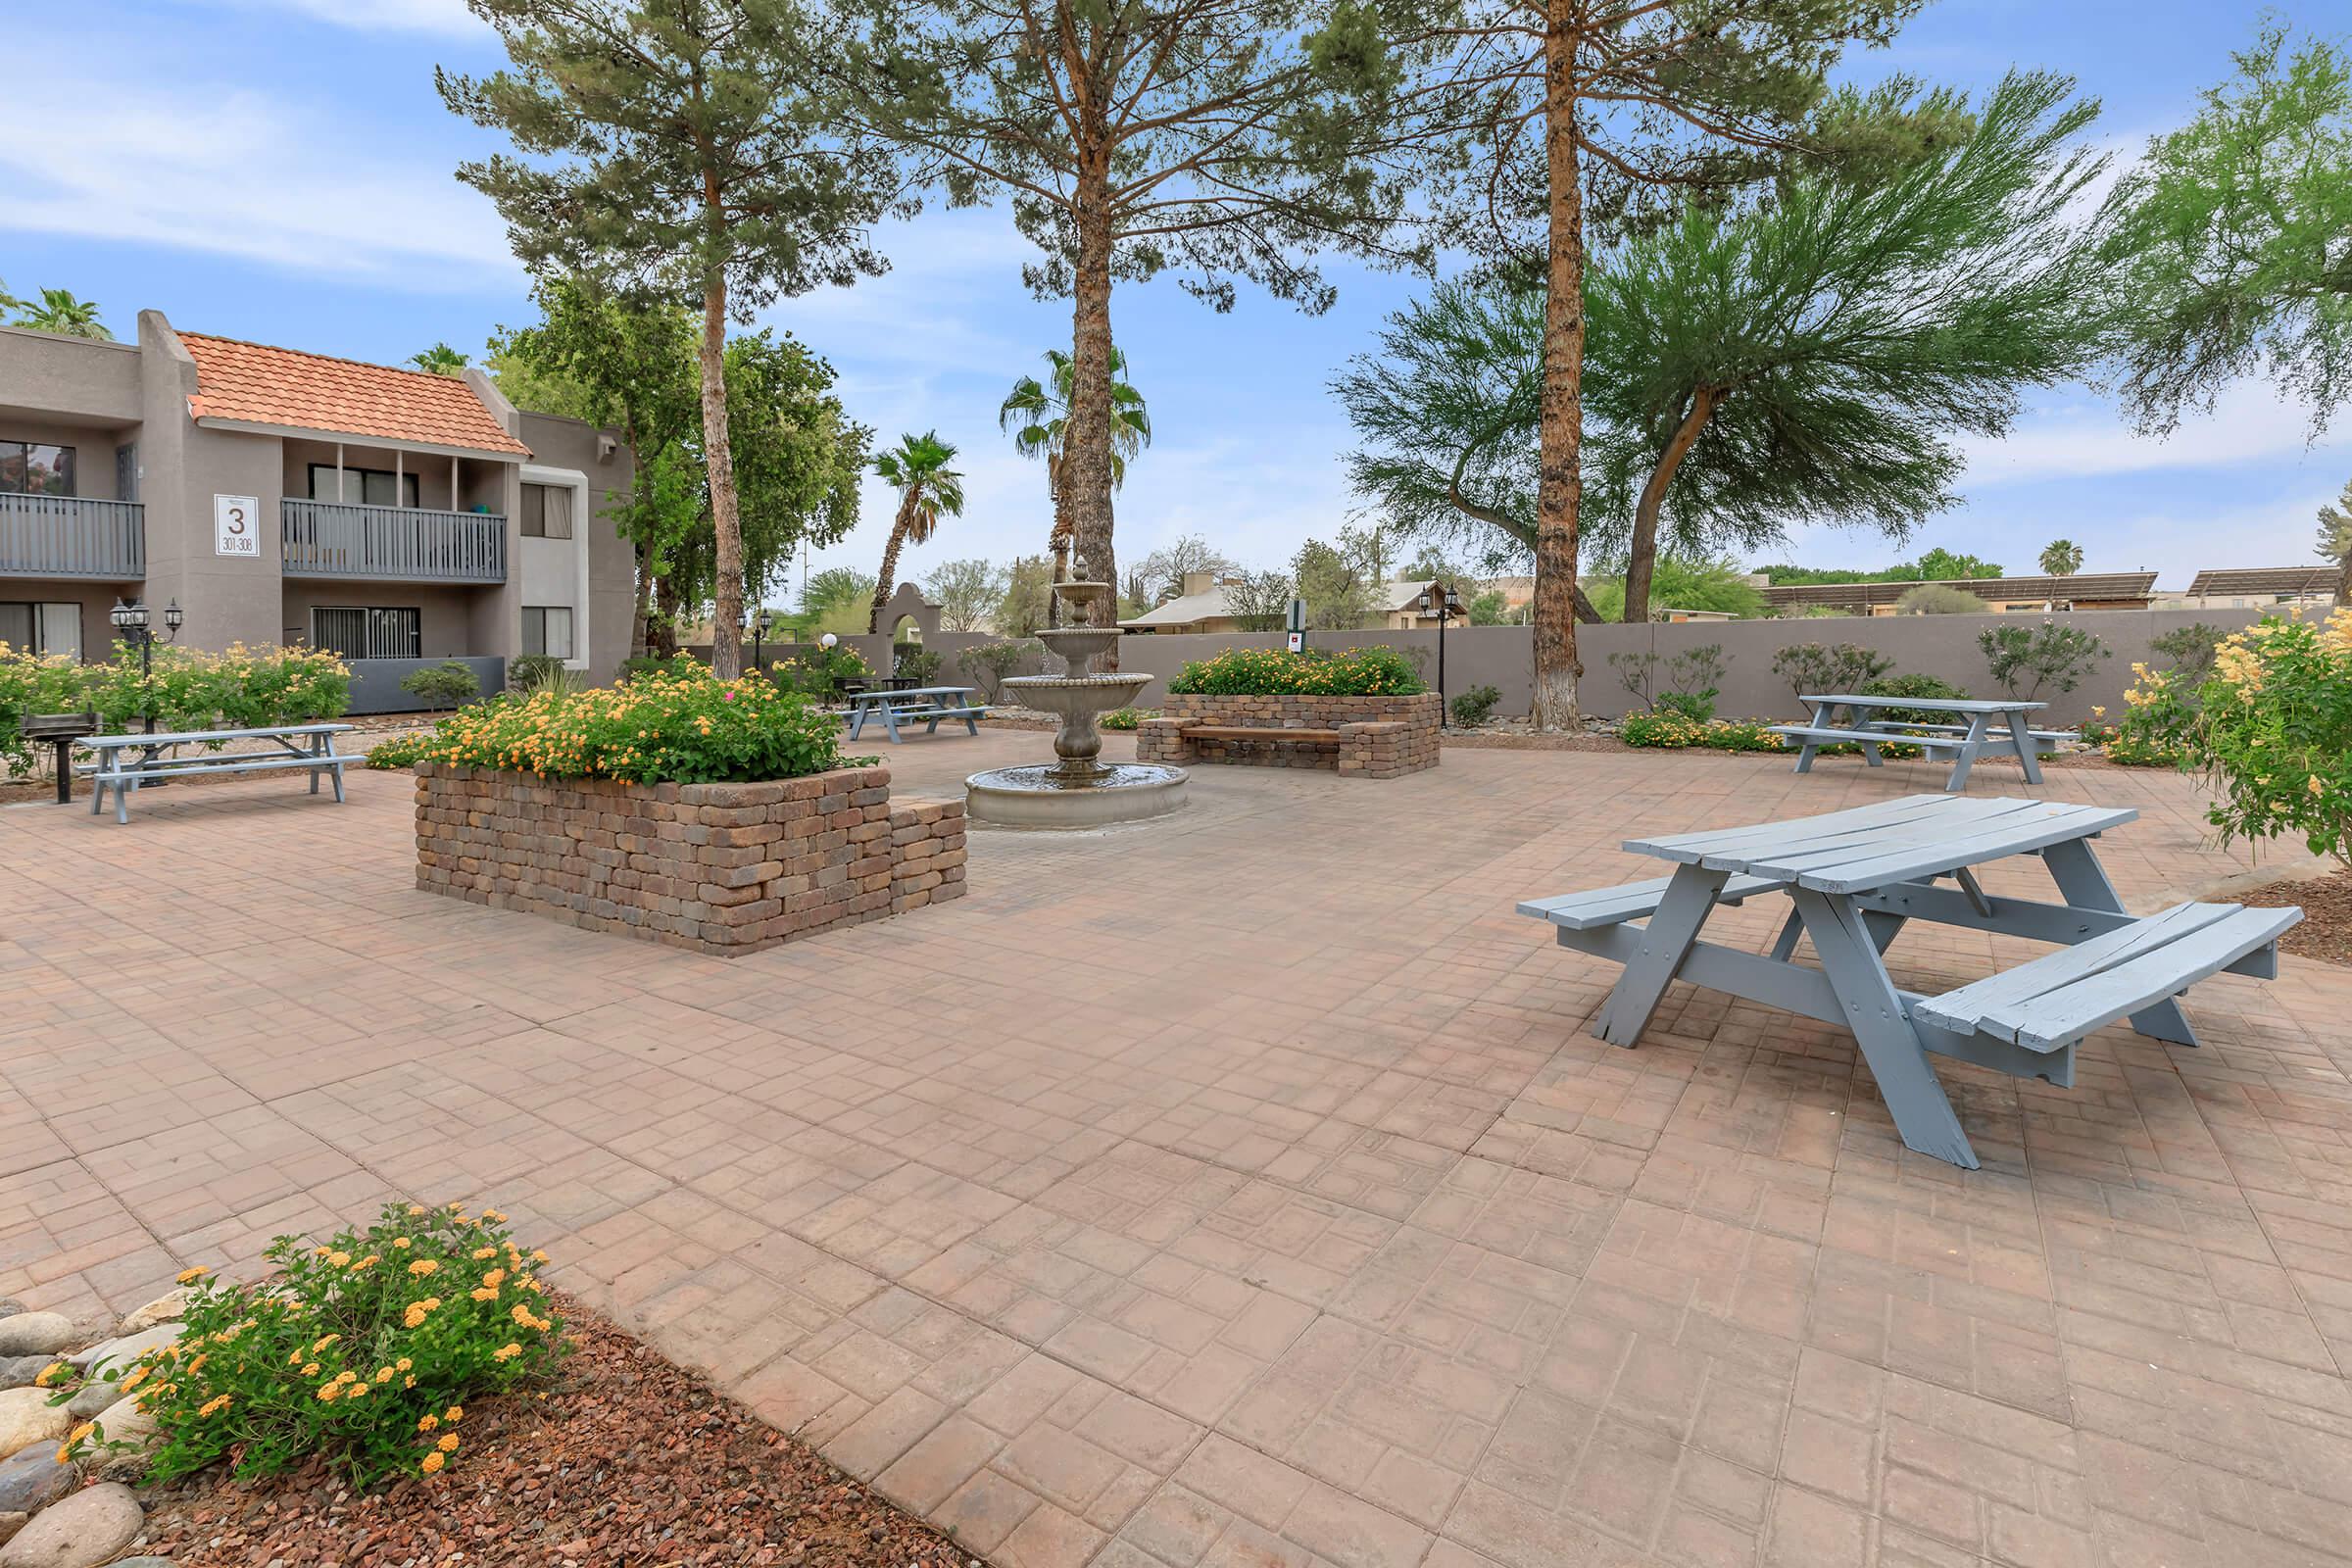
(1874, 1011)
(98, 782)
(1857, 720)
(2082, 882)
(2024, 747)
(315, 752)
(1666, 939)
(1966, 757)
(1784, 946)
(1804, 754)
(857, 719)
(889, 721)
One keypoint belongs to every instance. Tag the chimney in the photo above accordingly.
(1198, 583)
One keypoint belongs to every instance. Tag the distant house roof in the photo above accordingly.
(2093, 587)
(2265, 580)
(1186, 609)
(252, 383)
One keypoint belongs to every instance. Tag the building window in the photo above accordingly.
(547, 630)
(36, 467)
(357, 631)
(547, 512)
(39, 628)
(368, 487)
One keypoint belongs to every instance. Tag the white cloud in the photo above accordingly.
(281, 180)
(2088, 437)
(448, 17)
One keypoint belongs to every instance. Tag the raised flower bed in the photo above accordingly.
(1360, 712)
(639, 809)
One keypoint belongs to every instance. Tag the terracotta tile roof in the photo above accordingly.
(263, 385)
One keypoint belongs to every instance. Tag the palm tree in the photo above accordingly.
(917, 468)
(2062, 558)
(439, 360)
(60, 312)
(1036, 416)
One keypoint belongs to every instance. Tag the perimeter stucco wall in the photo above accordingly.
(1503, 657)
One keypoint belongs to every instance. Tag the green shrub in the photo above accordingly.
(400, 752)
(243, 688)
(655, 729)
(1124, 718)
(531, 672)
(2026, 660)
(443, 685)
(1671, 730)
(820, 672)
(916, 661)
(1474, 706)
(1940, 599)
(1376, 671)
(988, 665)
(363, 1350)
(1912, 686)
(2271, 731)
(2188, 651)
(1813, 669)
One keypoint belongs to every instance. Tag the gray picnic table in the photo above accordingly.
(930, 703)
(126, 762)
(1853, 880)
(1990, 726)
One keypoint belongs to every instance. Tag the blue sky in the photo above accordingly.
(280, 169)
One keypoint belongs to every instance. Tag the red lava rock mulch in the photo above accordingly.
(628, 1460)
(2326, 932)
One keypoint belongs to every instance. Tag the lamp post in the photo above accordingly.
(1440, 599)
(132, 621)
(762, 620)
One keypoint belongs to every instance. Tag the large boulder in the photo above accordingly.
(9, 1523)
(33, 1478)
(90, 1528)
(26, 1417)
(35, 1333)
(19, 1371)
(9, 1306)
(120, 1354)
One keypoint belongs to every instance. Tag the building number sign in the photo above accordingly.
(236, 528)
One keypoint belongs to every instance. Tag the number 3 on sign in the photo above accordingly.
(234, 525)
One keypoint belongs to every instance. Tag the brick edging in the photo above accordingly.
(1379, 737)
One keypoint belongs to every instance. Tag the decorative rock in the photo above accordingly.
(27, 1418)
(9, 1306)
(125, 1422)
(140, 1562)
(85, 1530)
(92, 1398)
(32, 1480)
(19, 1371)
(120, 1354)
(162, 1309)
(35, 1334)
(9, 1523)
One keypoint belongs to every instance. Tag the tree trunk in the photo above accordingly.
(726, 616)
(1558, 485)
(662, 637)
(1642, 559)
(890, 564)
(2343, 582)
(641, 614)
(1085, 487)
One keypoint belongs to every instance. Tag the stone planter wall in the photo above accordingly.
(1379, 737)
(723, 868)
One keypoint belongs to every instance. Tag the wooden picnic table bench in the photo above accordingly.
(906, 704)
(1854, 878)
(126, 762)
(1991, 726)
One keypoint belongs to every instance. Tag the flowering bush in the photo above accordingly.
(363, 1349)
(1376, 671)
(1672, 730)
(657, 728)
(244, 688)
(2271, 731)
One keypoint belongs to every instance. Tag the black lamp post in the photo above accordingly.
(1440, 599)
(132, 621)
(762, 620)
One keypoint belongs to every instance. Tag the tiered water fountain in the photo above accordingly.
(1080, 789)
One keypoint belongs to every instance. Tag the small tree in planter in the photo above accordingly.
(2025, 660)
(1818, 668)
(444, 685)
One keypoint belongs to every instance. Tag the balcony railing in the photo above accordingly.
(71, 536)
(397, 544)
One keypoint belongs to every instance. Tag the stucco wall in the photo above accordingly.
(1502, 656)
(70, 378)
(445, 614)
(611, 566)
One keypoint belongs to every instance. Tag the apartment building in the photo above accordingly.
(397, 517)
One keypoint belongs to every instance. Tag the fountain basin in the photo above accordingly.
(1043, 795)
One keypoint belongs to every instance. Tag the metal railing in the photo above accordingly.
(398, 544)
(71, 536)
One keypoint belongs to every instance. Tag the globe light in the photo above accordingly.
(828, 640)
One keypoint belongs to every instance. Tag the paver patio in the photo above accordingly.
(1312, 1229)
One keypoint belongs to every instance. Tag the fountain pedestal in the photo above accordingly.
(1078, 789)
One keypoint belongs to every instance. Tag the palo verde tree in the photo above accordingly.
(1804, 355)
(679, 150)
(2234, 254)
(1220, 139)
(1566, 112)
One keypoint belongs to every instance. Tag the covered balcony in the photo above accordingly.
(71, 536)
(391, 544)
